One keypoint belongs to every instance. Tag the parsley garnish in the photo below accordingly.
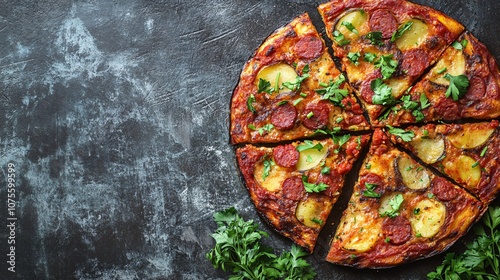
(387, 65)
(480, 259)
(395, 204)
(250, 101)
(295, 85)
(382, 93)
(401, 30)
(325, 170)
(266, 128)
(353, 57)
(370, 191)
(375, 38)
(264, 86)
(460, 45)
(310, 187)
(238, 249)
(332, 92)
(406, 136)
(441, 71)
(351, 27)
(458, 86)
(268, 163)
(309, 145)
(340, 140)
(340, 39)
(317, 221)
(370, 57)
(483, 152)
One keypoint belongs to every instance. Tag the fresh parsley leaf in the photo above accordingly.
(354, 57)
(406, 136)
(295, 85)
(340, 140)
(442, 70)
(264, 86)
(401, 30)
(317, 221)
(238, 249)
(370, 57)
(382, 93)
(351, 27)
(340, 39)
(424, 101)
(483, 152)
(460, 45)
(309, 145)
(370, 191)
(266, 128)
(250, 101)
(333, 92)
(375, 38)
(395, 203)
(458, 86)
(325, 170)
(268, 164)
(387, 65)
(310, 187)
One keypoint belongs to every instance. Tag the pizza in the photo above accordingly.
(401, 117)
(294, 186)
(384, 46)
(467, 153)
(290, 88)
(464, 83)
(399, 211)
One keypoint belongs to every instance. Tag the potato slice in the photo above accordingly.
(414, 176)
(427, 218)
(362, 232)
(310, 211)
(358, 20)
(310, 158)
(464, 169)
(413, 37)
(430, 150)
(470, 137)
(453, 63)
(275, 178)
(277, 74)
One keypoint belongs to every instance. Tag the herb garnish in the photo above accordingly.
(309, 145)
(268, 163)
(250, 101)
(401, 30)
(387, 65)
(310, 187)
(406, 136)
(351, 27)
(458, 86)
(375, 38)
(370, 191)
(238, 250)
(382, 93)
(333, 92)
(460, 45)
(340, 39)
(353, 57)
(395, 204)
(295, 85)
(340, 140)
(264, 86)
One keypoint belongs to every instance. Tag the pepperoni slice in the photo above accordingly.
(293, 188)
(309, 47)
(397, 230)
(447, 109)
(477, 89)
(284, 116)
(443, 189)
(316, 115)
(383, 21)
(415, 61)
(286, 155)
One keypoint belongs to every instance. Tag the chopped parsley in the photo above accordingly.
(309, 145)
(406, 136)
(401, 30)
(387, 65)
(441, 71)
(483, 152)
(333, 92)
(295, 85)
(325, 170)
(395, 204)
(382, 93)
(370, 191)
(268, 164)
(340, 39)
(354, 57)
(375, 38)
(250, 101)
(458, 86)
(460, 45)
(264, 86)
(340, 140)
(317, 221)
(370, 57)
(266, 128)
(310, 187)
(351, 27)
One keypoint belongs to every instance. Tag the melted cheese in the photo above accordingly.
(311, 158)
(359, 21)
(359, 231)
(452, 62)
(429, 219)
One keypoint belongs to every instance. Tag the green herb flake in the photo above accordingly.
(382, 93)
(460, 45)
(340, 39)
(354, 57)
(441, 71)
(325, 170)
(370, 191)
(310, 115)
(375, 38)
(406, 136)
(351, 27)
(416, 211)
(266, 128)
(268, 164)
(475, 164)
(395, 203)
(250, 101)
(340, 140)
(297, 101)
(458, 86)
(264, 86)
(310, 187)
(483, 152)
(295, 85)
(401, 30)
(370, 57)
(387, 65)
(333, 92)
(309, 145)
(317, 221)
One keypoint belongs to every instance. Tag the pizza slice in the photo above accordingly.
(290, 88)
(399, 211)
(464, 83)
(294, 186)
(384, 46)
(467, 153)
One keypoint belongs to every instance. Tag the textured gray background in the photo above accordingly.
(115, 114)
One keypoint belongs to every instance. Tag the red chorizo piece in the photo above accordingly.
(383, 21)
(415, 61)
(397, 230)
(477, 89)
(286, 155)
(293, 188)
(309, 47)
(316, 115)
(447, 109)
(284, 116)
(443, 189)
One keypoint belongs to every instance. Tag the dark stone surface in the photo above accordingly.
(115, 115)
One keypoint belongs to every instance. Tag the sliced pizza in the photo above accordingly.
(464, 83)
(294, 186)
(290, 88)
(399, 211)
(467, 153)
(384, 46)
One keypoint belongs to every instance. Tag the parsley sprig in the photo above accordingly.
(481, 258)
(238, 250)
(395, 204)
(458, 86)
(382, 93)
(332, 91)
(311, 187)
(295, 85)
(387, 65)
(405, 135)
